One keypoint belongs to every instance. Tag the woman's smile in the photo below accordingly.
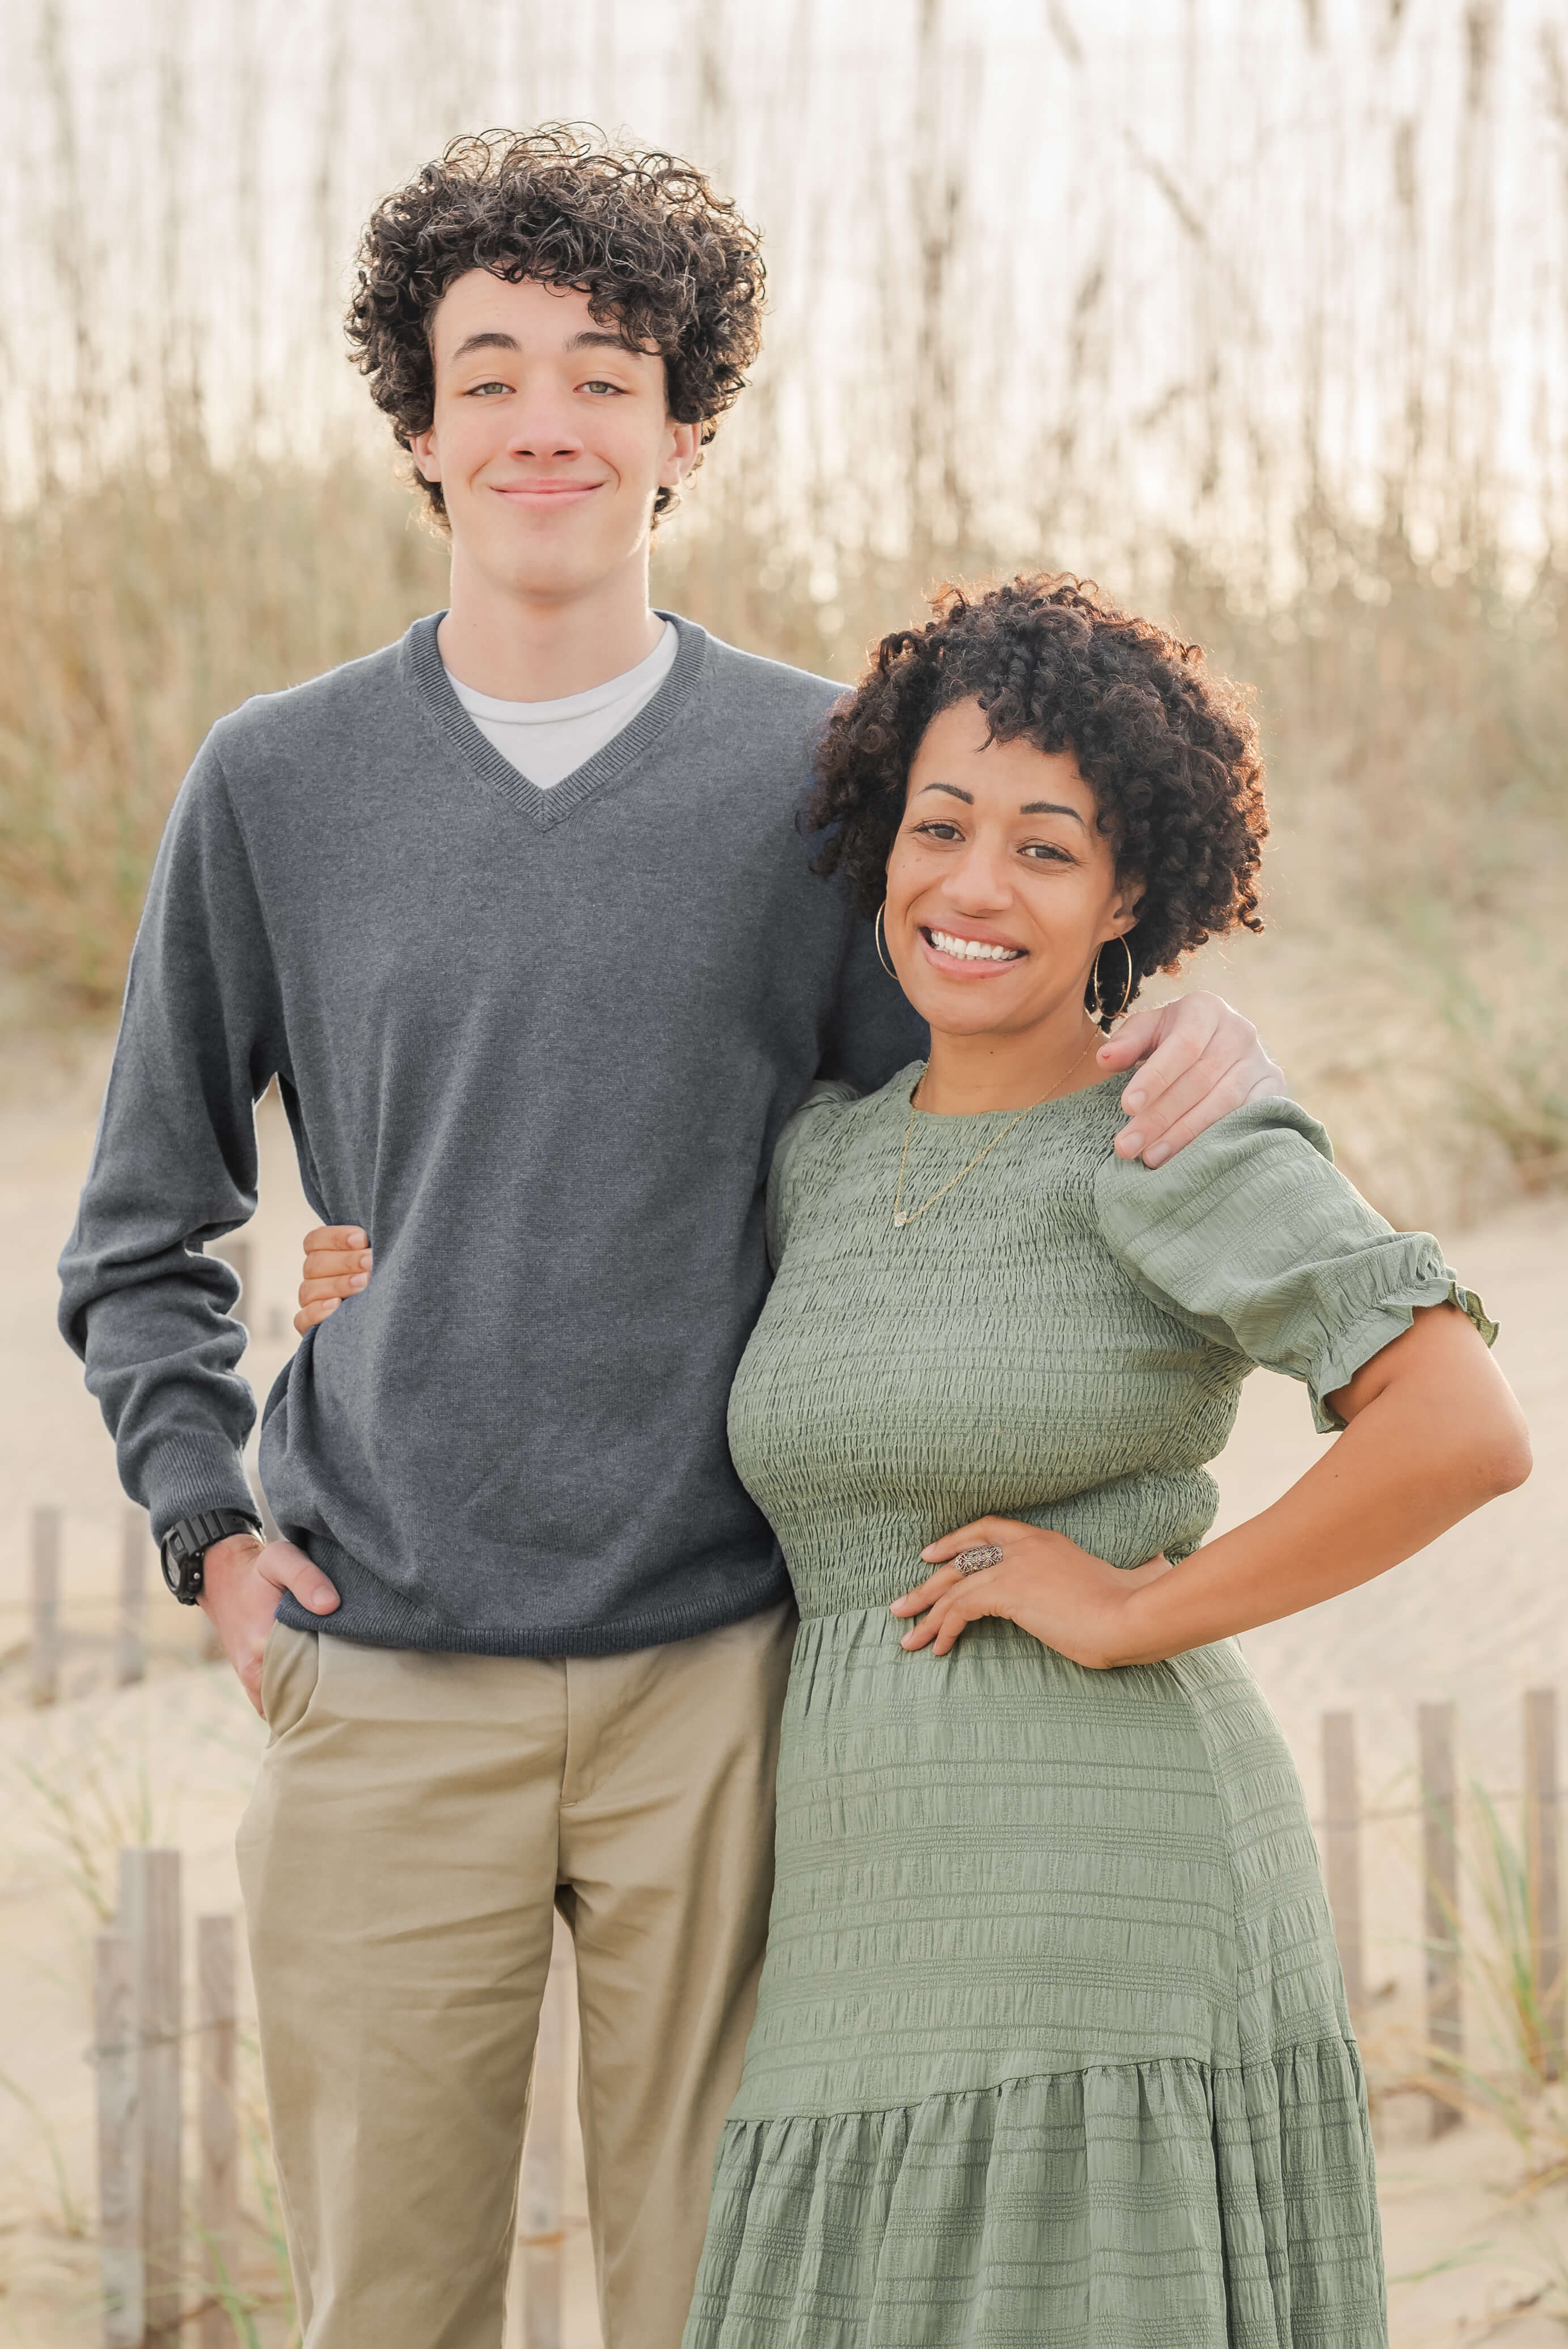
(966, 954)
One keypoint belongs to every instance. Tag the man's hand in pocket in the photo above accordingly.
(243, 1580)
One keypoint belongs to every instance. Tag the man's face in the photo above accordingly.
(551, 438)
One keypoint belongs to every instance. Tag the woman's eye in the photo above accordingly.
(1045, 852)
(939, 831)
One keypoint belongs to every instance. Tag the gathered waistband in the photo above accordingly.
(844, 1568)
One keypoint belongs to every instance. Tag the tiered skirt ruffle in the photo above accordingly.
(1168, 2204)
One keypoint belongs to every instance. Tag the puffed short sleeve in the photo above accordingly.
(790, 1173)
(1252, 1234)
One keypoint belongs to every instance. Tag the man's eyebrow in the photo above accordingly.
(493, 340)
(591, 339)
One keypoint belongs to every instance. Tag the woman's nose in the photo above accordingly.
(979, 877)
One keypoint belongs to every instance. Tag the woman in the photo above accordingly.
(1051, 2044)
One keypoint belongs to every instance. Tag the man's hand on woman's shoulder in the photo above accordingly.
(1196, 1061)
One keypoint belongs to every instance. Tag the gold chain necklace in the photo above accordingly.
(902, 1214)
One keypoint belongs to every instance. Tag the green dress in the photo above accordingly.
(1051, 2045)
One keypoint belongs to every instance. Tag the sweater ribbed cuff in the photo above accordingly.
(187, 1474)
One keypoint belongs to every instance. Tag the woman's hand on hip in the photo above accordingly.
(1046, 1584)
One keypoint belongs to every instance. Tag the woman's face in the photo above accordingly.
(1001, 888)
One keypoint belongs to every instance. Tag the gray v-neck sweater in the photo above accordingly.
(540, 1044)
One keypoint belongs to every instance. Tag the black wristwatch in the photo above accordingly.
(186, 1545)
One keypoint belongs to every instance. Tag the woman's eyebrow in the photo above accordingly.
(1033, 807)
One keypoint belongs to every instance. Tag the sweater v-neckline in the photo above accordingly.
(425, 672)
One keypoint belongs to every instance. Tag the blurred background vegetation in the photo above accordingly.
(1258, 316)
(1255, 311)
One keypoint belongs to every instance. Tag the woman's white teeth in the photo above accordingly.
(973, 949)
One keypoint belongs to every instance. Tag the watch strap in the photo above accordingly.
(184, 1548)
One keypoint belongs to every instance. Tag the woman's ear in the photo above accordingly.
(1125, 911)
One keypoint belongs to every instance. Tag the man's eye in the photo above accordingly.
(598, 385)
(476, 389)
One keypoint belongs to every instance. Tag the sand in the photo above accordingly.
(1476, 1620)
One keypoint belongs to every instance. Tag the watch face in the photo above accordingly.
(176, 1568)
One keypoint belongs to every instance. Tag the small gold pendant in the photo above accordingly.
(902, 1217)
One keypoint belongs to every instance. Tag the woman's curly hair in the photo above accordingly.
(659, 255)
(1170, 751)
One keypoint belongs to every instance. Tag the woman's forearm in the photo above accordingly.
(1434, 1432)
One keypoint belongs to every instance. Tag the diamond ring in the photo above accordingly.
(975, 1561)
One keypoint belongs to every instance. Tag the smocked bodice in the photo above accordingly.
(1061, 1339)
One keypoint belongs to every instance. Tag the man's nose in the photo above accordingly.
(543, 425)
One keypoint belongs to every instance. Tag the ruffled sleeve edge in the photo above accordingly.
(1388, 1319)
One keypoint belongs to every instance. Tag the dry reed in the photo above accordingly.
(1272, 337)
(1269, 334)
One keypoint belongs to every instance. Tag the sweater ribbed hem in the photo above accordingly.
(380, 1618)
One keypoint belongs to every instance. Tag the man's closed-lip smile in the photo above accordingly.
(544, 492)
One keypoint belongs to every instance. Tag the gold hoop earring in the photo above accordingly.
(1131, 987)
(1097, 1010)
(879, 932)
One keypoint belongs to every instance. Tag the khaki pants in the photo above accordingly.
(417, 1822)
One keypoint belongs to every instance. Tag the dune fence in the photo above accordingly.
(69, 1636)
(1506, 1960)
(170, 2123)
(140, 2041)
(1465, 1876)
(113, 1633)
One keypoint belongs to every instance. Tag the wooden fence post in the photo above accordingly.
(541, 2233)
(1440, 1855)
(1542, 1859)
(46, 1646)
(1342, 1849)
(149, 1916)
(219, 2126)
(118, 2140)
(130, 1655)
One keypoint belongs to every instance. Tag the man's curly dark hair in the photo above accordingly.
(1170, 751)
(660, 256)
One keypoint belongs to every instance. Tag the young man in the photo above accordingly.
(516, 913)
